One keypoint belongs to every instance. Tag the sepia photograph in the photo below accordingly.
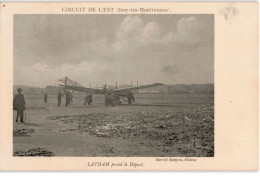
(113, 85)
(129, 86)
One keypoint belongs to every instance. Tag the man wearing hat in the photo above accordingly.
(19, 105)
(59, 99)
(45, 96)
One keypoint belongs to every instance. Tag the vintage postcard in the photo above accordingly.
(129, 86)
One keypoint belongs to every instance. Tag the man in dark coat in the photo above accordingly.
(70, 97)
(107, 99)
(45, 97)
(105, 89)
(113, 98)
(67, 98)
(88, 99)
(19, 105)
(130, 97)
(59, 99)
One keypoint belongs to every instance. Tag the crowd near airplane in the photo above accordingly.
(71, 85)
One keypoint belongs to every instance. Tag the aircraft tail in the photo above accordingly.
(68, 82)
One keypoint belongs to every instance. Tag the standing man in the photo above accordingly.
(67, 98)
(113, 99)
(70, 94)
(45, 97)
(88, 99)
(130, 97)
(105, 89)
(19, 105)
(106, 99)
(59, 99)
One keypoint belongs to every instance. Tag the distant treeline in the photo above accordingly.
(168, 89)
(185, 89)
(29, 90)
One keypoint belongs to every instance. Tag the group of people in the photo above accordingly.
(69, 98)
(111, 99)
(19, 103)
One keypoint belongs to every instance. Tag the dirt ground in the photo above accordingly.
(172, 125)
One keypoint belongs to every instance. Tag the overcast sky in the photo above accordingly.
(98, 49)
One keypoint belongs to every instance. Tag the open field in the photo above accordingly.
(157, 125)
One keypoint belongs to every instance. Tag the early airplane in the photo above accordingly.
(69, 84)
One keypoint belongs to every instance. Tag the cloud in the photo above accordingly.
(134, 33)
(131, 35)
(44, 74)
(136, 48)
(188, 30)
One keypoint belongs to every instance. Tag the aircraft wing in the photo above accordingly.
(73, 85)
(85, 89)
(139, 87)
